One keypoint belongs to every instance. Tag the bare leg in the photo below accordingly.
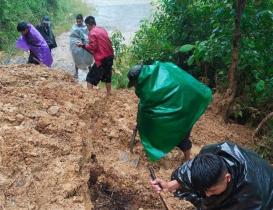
(108, 89)
(187, 155)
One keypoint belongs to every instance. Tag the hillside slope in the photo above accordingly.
(61, 145)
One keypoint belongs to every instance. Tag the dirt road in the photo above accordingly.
(122, 15)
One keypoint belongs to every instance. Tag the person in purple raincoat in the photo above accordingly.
(31, 40)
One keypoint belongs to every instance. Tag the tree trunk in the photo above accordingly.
(231, 91)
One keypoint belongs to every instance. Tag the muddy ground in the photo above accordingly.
(62, 145)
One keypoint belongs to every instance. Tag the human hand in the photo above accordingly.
(159, 185)
(79, 44)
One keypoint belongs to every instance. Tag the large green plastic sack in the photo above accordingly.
(171, 101)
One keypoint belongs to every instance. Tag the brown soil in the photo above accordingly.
(61, 145)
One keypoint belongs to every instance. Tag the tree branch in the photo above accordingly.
(269, 116)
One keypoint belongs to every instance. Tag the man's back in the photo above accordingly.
(101, 44)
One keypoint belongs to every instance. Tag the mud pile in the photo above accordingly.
(62, 146)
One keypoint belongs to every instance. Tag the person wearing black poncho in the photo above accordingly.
(223, 176)
(46, 31)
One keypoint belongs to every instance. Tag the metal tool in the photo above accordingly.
(36, 60)
(129, 157)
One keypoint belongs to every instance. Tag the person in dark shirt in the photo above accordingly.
(45, 30)
(222, 176)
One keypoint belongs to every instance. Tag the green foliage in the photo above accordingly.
(198, 33)
(123, 60)
(266, 144)
(186, 48)
(197, 36)
(61, 12)
(118, 43)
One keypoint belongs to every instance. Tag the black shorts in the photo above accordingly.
(186, 143)
(102, 73)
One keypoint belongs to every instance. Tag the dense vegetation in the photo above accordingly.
(198, 34)
(207, 26)
(14, 11)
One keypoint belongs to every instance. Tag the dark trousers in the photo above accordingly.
(186, 143)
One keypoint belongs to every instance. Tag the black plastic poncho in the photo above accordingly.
(48, 35)
(251, 187)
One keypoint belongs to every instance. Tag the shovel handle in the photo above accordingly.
(152, 173)
(133, 139)
(153, 176)
(36, 60)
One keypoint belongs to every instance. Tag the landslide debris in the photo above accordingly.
(61, 143)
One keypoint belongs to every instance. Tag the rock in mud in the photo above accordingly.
(54, 110)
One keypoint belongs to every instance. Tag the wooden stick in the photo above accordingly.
(133, 139)
(269, 116)
(153, 176)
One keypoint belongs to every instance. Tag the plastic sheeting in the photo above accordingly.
(47, 33)
(81, 57)
(35, 43)
(251, 187)
(171, 101)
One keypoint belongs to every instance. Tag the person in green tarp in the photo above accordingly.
(171, 101)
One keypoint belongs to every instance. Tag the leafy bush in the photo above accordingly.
(197, 35)
(123, 60)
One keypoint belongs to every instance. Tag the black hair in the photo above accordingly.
(206, 171)
(22, 26)
(79, 17)
(133, 75)
(90, 20)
